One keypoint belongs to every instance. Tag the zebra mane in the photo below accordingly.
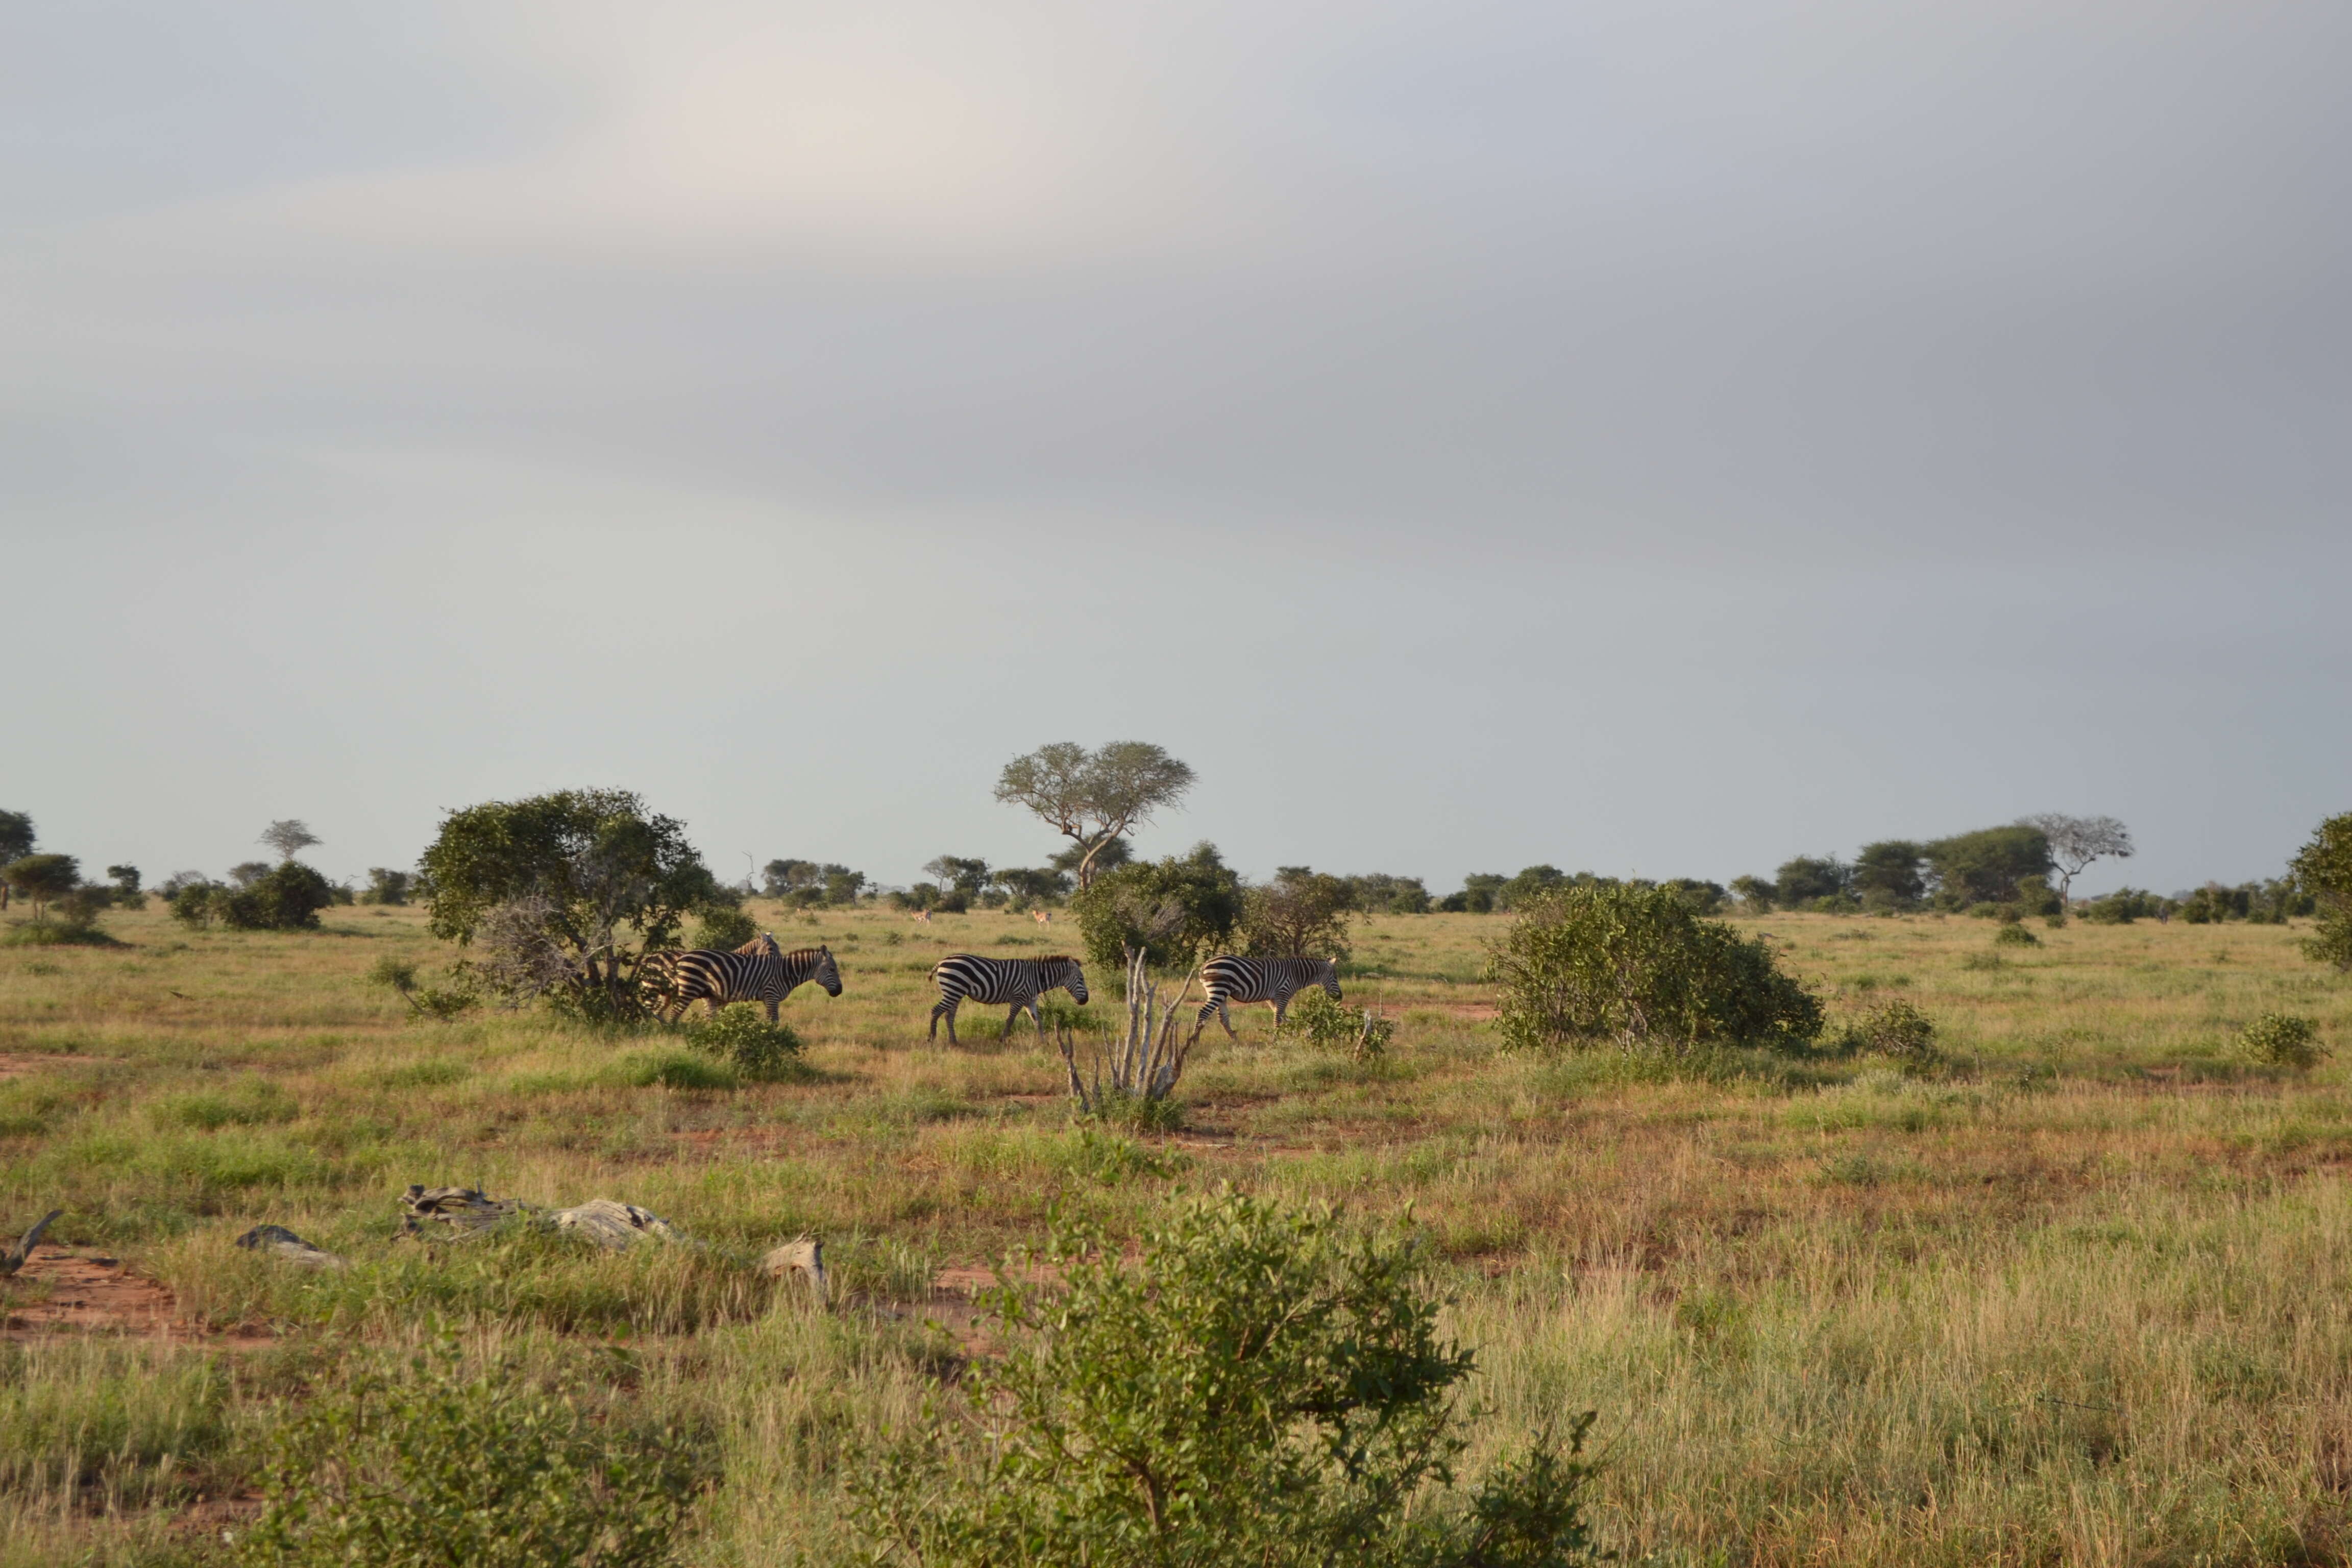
(1058, 958)
(810, 952)
(765, 943)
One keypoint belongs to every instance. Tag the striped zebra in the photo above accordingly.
(759, 971)
(1273, 980)
(962, 976)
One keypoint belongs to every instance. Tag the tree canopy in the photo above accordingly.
(1173, 910)
(2075, 841)
(1094, 799)
(289, 836)
(17, 837)
(593, 865)
(42, 879)
(2323, 867)
(1302, 913)
(1985, 866)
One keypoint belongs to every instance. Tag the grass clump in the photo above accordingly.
(1613, 962)
(1894, 1029)
(57, 933)
(2015, 935)
(2282, 1039)
(1267, 1389)
(740, 1036)
(432, 1461)
(675, 1069)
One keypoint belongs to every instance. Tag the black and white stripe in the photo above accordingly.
(759, 971)
(1019, 982)
(1273, 980)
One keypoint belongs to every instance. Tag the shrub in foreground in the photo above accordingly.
(2282, 1039)
(740, 1034)
(1632, 966)
(430, 1462)
(1267, 1389)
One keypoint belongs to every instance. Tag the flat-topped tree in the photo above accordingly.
(1095, 798)
(2076, 841)
(16, 841)
(289, 837)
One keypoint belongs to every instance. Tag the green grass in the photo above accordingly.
(2075, 1294)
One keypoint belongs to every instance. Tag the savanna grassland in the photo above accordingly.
(2081, 1294)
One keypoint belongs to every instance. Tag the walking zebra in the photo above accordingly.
(1273, 980)
(999, 980)
(758, 971)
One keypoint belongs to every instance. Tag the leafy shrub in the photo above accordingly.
(2323, 872)
(428, 1001)
(1335, 1026)
(2014, 935)
(42, 879)
(1173, 910)
(1895, 1029)
(724, 929)
(2123, 906)
(385, 886)
(286, 899)
(1302, 913)
(1265, 1390)
(431, 1463)
(57, 933)
(195, 902)
(2282, 1039)
(740, 1034)
(1634, 966)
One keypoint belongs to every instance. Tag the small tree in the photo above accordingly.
(1808, 878)
(126, 880)
(1300, 914)
(2075, 842)
(16, 841)
(1756, 895)
(1093, 798)
(1613, 962)
(1891, 874)
(385, 886)
(2322, 868)
(288, 898)
(599, 870)
(1985, 866)
(289, 837)
(968, 876)
(42, 879)
(1037, 885)
(1173, 911)
(1267, 1390)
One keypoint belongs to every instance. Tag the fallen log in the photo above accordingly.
(614, 1226)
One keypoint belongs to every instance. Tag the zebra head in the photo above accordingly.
(828, 974)
(1327, 976)
(1063, 971)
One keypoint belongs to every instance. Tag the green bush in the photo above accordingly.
(1335, 1026)
(1634, 966)
(1175, 909)
(2011, 934)
(286, 899)
(432, 1462)
(1266, 1389)
(740, 1034)
(2323, 874)
(2282, 1039)
(724, 929)
(1895, 1029)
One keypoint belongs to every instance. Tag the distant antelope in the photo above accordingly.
(923, 915)
(1271, 980)
(1043, 917)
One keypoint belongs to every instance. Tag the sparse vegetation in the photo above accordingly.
(2282, 1039)
(741, 1035)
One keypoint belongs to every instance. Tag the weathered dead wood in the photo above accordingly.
(13, 1258)
(1146, 1062)
(280, 1242)
(803, 1256)
(453, 1211)
(614, 1226)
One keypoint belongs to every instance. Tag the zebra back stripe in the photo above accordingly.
(1005, 981)
(1273, 980)
(758, 971)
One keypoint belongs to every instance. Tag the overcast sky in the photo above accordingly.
(1647, 437)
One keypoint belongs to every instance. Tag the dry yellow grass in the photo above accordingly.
(2079, 1299)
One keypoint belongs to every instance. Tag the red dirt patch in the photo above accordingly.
(17, 1064)
(92, 1293)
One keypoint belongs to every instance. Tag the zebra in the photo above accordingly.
(1273, 980)
(757, 971)
(998, 981)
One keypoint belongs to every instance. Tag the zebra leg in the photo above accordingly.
(773, 1001)
(948, 1009)
(1226, 1019)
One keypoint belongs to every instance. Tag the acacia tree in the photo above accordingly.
(592, 866)
(289, 837)
(2076, 841)
(1095, 798)
(2324, 868)
(43, 879)
(16, 842)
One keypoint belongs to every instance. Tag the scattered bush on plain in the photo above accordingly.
(2282, 1039)
(1302, 913)
(432, 1462)
(1633, 966)
(1331, 1025)
(740, 1034)
(1893, 1029)
(2012, 934)
(1267, 1389)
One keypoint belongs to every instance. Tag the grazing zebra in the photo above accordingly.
(757, 971)
(999, 980)
(1273, 980)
